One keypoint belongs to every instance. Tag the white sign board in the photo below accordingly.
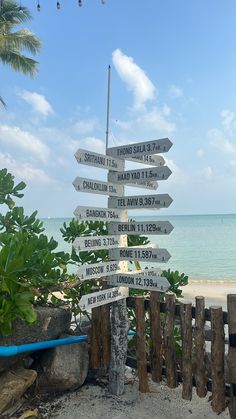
(97, 186)
(89, 243)
(98, 270)
(98, 160)
(144, 185)
(137, 175)
(140, 201)
(149, 254)
(139, 149)
(96, 299)
(153, 160)
(98, 214)
(141, 227)
(143, 282)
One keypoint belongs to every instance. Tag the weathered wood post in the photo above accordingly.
(199, 338)
(217, 359)
(186, 333)
(156, 336)
(169, 344)
(141, 345)
(231, 305)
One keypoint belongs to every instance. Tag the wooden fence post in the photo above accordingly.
(199, 339)
(217, 359)
(231, 305)
(169, 344)
(96, 338)
(156, 336)
(186, 333)
(141, 345)
(105, 337)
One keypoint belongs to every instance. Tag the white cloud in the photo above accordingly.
(219, 140)
(24, 171)
(17, 138)
(207, 173)
(200, 152)
(157, 120)
(89, 143)
(38, 102)
(228, 120)
(175, 91)
(85, 126)
(135, 78)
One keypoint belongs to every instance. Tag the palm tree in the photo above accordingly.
(14, 43)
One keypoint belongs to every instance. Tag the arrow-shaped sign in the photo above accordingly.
(139, 149)
(141, 227)
(144, 185)
(140, 201)
(144, 282)
(97, 186)
(96, 299)
(153, 160)
(98, 270)
(96, 242)
(135, 176)
(98, 160)
(98, 214)
(149, 254)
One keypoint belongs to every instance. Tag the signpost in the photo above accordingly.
(148, 254)
(96, 299)
(98, 270)
(96, 242)
(140, 201)
(139, 149)
(96, 186)
(153, 160)
(141, 227)
(143, 282)
(98, 214)
(135, 176)
(90, 158)
(144, 185)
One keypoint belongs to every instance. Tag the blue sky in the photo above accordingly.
(173, 66)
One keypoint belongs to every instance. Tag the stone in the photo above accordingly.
(64, 367)
(51, 323)
(13, 385)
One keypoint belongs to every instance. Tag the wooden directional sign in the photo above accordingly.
(96, 299)
(98, 214)
(98, 270)
(98, 160)
(97, 186)
(149, 254)
(141, 227)
(96, 242)
(144, 282)
(134, 176)
(144, 185)
(153, 160)
(140, 201)
(139, 149)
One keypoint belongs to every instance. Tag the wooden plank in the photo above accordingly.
(156, 336)
(140, 149)
(231, 306)
(98, 214)
(186, 334)
(96, 186)
(141, 201)
(140, 175)
(102, 161)
(142, 282)
(96, 299)
(96, 338)
(217, 360)
(149, 254)
(141, 345)
(105, 337)
(97, 270)
(169, 343)
(141, 227)
(87, 243)
(199, 339)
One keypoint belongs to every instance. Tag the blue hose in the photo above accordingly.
(6, 351)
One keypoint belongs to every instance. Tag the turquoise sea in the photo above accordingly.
(202, 246)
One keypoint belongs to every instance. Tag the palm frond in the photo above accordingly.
(13, 14)
(19, 62)
(21, 40)
(2, 102)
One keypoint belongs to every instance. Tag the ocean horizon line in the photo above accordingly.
(149, 215)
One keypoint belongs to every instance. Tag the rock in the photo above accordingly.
(83, 327)
(64, 367)
(13, 384)
(51, 323)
